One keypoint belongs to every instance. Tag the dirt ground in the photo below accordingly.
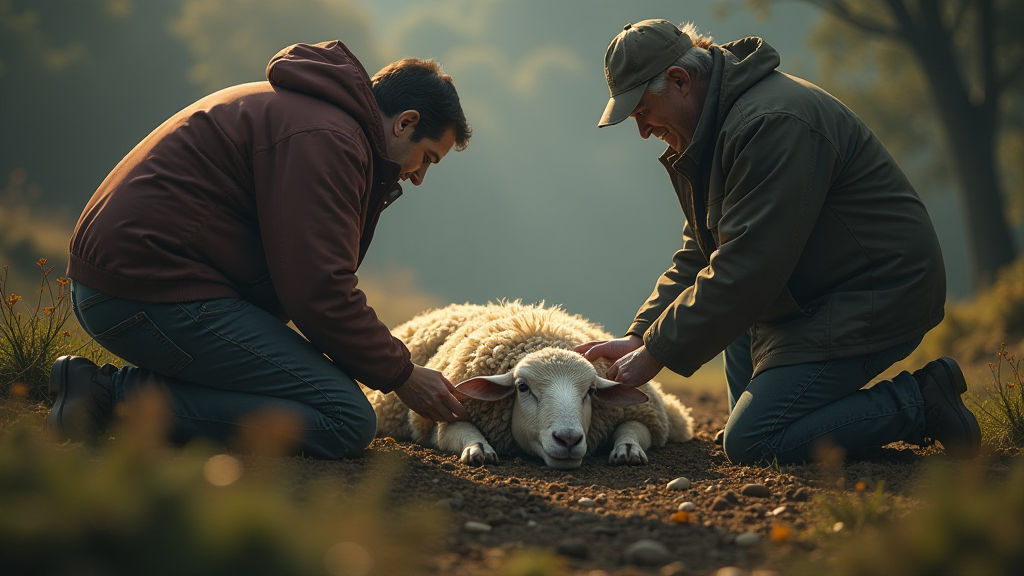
(527, 505)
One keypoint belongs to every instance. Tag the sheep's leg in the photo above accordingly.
(630, 440)
(465, 438)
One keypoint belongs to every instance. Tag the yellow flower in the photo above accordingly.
(48, 310)
(861, 486)
(63, 281)
(12, 300)
(41, 263)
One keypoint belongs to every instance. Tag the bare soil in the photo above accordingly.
(528, 505)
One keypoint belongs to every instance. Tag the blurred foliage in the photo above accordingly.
(232, 40)
(533, 563)
(141, 508)
(1001, 413)
(972, 329)
(965, 523)
(856, 509)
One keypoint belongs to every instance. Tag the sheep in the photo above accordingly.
(528, 390)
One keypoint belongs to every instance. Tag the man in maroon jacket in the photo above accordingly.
(253, 206)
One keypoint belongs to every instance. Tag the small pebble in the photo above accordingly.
(756, 490)
(838, 527)
(748, 539)
(601, 498)
(472, 526)
(721, 504)
(646, 552)
(778, 511)
(531, 523)
(709, 488)
(802, 495)
(687, 506)
(731, 496)
(730, 571)
(679, 484)
(586, 502)
(573, 548)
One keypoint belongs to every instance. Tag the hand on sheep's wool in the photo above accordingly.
(428, 393)
(610, 349)
(635, 369)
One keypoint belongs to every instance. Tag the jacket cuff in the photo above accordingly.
(665, 357)
(638, 328)
(400, 379)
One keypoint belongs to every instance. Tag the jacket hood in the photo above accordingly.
(747, 62)
(329, 71)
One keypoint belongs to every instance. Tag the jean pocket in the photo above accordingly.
(92, 300)
(139, 341)
(219, 306)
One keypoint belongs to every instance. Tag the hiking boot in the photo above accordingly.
(947, 419)
(84, 398)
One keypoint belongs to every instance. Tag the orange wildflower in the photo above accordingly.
(780, 533)
(681, 517)
(861, 486)
(41, 263)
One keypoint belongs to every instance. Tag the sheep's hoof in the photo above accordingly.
(478, 454)
(628, 453)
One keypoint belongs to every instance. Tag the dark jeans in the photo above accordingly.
(222, 360)
(785, 412)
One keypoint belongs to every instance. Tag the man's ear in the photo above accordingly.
(406, 121)
(678, 76)
(488, 388)
(617, 394)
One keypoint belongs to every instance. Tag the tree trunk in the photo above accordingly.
(971, 130)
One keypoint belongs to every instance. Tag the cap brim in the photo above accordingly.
(621, 106)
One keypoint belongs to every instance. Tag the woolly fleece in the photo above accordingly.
(463, 341)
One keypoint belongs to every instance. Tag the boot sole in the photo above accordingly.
(58, 388)
(969, 420)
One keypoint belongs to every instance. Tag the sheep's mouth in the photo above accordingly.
(562, 463)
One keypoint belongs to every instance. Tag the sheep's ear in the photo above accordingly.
(618, 394)
(488, 388)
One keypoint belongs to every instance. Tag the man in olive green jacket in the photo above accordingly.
(807, 255)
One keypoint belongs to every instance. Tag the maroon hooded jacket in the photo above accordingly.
(267, 191)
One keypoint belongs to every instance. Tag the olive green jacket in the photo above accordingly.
(799, 226)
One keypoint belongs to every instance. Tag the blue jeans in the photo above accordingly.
(222, 361)
(785, 413)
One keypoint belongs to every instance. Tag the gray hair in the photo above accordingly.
(697, 61)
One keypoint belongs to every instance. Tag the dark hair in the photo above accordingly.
(421, 85)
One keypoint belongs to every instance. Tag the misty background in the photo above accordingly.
(543, 205)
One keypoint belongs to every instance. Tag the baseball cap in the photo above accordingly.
(635, 56)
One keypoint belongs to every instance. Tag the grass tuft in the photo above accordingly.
(1002, 410)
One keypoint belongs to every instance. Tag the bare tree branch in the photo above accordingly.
(842, 10)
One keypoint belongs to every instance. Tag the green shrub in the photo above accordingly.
(140, 508)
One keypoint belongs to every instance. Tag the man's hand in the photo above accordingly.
(610, 349)
(634, 365)
(635, 368)
(430, 395)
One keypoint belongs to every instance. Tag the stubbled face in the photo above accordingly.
(671, 116)
(554, 390)
(553, 406)
(414, 157)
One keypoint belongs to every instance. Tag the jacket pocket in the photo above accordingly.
(139, 341)
(784, 308)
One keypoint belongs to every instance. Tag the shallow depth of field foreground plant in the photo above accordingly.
(32, 333)
(1002, 412)
(965, 523)
(137, 507)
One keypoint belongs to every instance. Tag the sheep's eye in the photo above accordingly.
(522, 386)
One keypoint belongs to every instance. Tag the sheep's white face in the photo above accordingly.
(553, 391)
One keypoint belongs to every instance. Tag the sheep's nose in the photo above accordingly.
(567, 438)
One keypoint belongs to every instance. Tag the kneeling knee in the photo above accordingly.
(742, 449)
